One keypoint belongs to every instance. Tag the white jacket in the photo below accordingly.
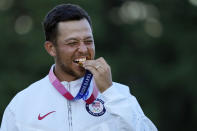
(40, 107)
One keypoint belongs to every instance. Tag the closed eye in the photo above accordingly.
(72, 43)
(88, 41)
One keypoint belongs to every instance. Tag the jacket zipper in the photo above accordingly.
(69, 112)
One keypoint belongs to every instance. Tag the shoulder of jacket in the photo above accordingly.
(34, 87)
(121, 87)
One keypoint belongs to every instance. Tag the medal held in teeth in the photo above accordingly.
(80, 61)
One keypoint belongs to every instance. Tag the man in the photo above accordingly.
(69, 98)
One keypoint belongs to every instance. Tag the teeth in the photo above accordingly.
(80, 61)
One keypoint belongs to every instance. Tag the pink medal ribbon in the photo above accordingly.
(64, 92)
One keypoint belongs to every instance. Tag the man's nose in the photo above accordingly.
(82, 47)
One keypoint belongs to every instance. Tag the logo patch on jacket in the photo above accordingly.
(96, 108)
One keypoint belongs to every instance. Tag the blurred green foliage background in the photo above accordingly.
(149, 44)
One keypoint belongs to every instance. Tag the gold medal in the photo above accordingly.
(80, 61)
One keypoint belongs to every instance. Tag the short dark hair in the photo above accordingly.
(63, 12)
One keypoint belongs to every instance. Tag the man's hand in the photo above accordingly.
(101, 72)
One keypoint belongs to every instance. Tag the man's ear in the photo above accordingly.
(50, 48)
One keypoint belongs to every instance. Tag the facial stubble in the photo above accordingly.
(68, 70)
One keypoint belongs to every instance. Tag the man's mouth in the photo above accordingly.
(80, 61)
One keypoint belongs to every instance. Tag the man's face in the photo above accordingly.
(74, 40)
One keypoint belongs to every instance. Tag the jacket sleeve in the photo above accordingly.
(124, 106)
(8, 121)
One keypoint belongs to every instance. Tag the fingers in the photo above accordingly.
(92, 70)
(102, 60)
(104, 66)
(97, 67)
(98, 64)
(91, 63)
(101, 72)
(94, 67)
